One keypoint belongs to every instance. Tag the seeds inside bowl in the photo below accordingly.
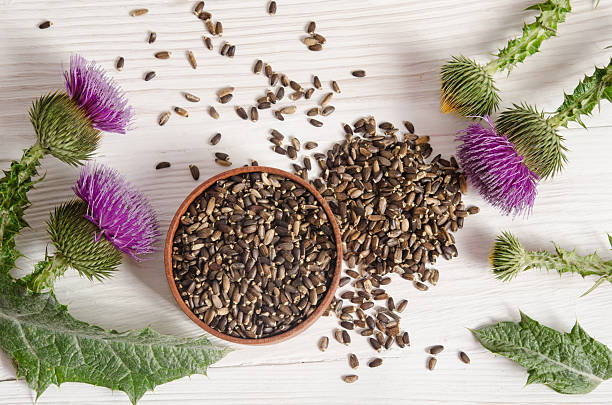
(254, 255)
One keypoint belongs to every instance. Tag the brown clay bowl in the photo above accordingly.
(302, 325)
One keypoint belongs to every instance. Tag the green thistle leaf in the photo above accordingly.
(569, 363)
(14, 186)
(467, 88)
(586, 96)
(552, 13)
(48, 346)
(63, 129)
(74, 238)
(534, 137)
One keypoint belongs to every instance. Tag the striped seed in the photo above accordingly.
(242, 113)
(254, 114)
(315, 123)
(215, 139)
(192, 59)
(336, 87)
(138, 12)
(323, 343)
(163, 55)
(181, 111)
(191, 97)
(163, 118)
(219, 28)
(225, 99)
(313, 111)
(310, 145)
(315, 47)
(375, 362)
(152, 37)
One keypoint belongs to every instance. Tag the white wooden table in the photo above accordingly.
(401, 45)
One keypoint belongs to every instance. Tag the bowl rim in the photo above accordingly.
(308, 321)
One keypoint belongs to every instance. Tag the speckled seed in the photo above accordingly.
(323, 343)
(191, 97)
(315, 123)
(316, 47)
(242, 113)
(163, 118)
(212, 111)
(215, 139)
(353, 361)
(312, 26)
(310, 145)
(317, 82)
(349, 379)
(208, 43)
(326, 99)
(181, 111)
(258, 66)
(409, 126)
(139, 11)
(375, 362)
(192, 59)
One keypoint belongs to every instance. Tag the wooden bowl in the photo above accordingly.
(329, 295)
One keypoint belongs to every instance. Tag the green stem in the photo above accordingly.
(552, 13)
(45, 273)
(586, 96)
(15, 184)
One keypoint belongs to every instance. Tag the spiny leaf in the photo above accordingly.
(14, 186)
(586, 96)
(48, 346)
(569, 363)
(552, 13)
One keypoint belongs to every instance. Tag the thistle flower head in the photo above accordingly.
(467, 88)
(507, 256)
(535, 138)
(121, 212)
(63, 129)
(74, 238)
(99, 96)
(496, 170)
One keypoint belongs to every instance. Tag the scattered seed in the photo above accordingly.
(323, 343)
(44, 25)
(409, 126)
(315, 123)
(195, 172)
(312, 26)
(163, 118)
(316, 47)
(225, 91)
(309, 41)
(225, 99)
(149, 76)
(162, 165)
(279, 116)
(152, 37)
(464, 357)
(326, 99)
(221, 155)
(313, 111)
(139, 11)
(231, 51)
(215, 139)
(436, 349)
(219, 28)
(431, 364)
(353, 361)
(310, 145)
(272, 8)
(241, 113)
(181, 111)
(336, 87)
(212, 111)
(210, 26)
(222, 162)
(199, 7)
(162, 55)
(375, 362)
(254, 114)
(328, 110)
(288, 110)
(401, 306)
(208, 43)
(192, 59)
(120, 63)
(319, 38)
(191, 97)
(349, 379)
(358, 73)
(317, 83)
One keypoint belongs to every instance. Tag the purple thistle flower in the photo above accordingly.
(98, 95)
(121, 212)
(496, 170)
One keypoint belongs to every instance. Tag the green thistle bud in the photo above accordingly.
(535, 138)
(63, 129)
(509, 258)
(467, 88)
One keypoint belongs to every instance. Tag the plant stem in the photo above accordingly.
(45, 273)
(15, 184)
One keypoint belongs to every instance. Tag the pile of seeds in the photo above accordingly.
(313, 41)
(254, 255)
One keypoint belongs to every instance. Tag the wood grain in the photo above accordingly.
(401, 44)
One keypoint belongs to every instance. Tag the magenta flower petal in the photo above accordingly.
(123, 214)
(496, 170)
(98, 95)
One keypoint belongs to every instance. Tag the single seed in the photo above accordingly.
(215, 139)
(44, 25)
(401, 306)
(272, 8)
(436, 349)
(409, 126)
(326, 99)
(353, 361)
(139, 11)
(231, 51)
(296, 96)
(254, 114)
(319, 38)
(195, 172)
(296, 143)
(431, 364)
(336, 87)
(375, 362)
(225, 91)
(152, 37)
(328, 110)
(164, 117)
(219, 28)
(221, 155)
(258, 66)
(358, 73)
(308, 94)
(120, 63)
(323, 343)
(241, 113)
(208, 43)
(349, 379)
(313, 111)
(316, 47)
(181, 111)
(162, 55)
(280, 150)
(268, 70)
(310, 145)
(225, 99)
(192, 59)
(315, 123)
(191, 97)
(199, 7)
(312, 26)
(309, 41)
(221, 162)
(149, 76)
(346, 338)
(317, 83)
(212, 111)
(162, 165)
(464, 357)
(205, 16)
(279, 116)
(288, 110)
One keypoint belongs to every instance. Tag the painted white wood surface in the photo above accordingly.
(401, 44)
